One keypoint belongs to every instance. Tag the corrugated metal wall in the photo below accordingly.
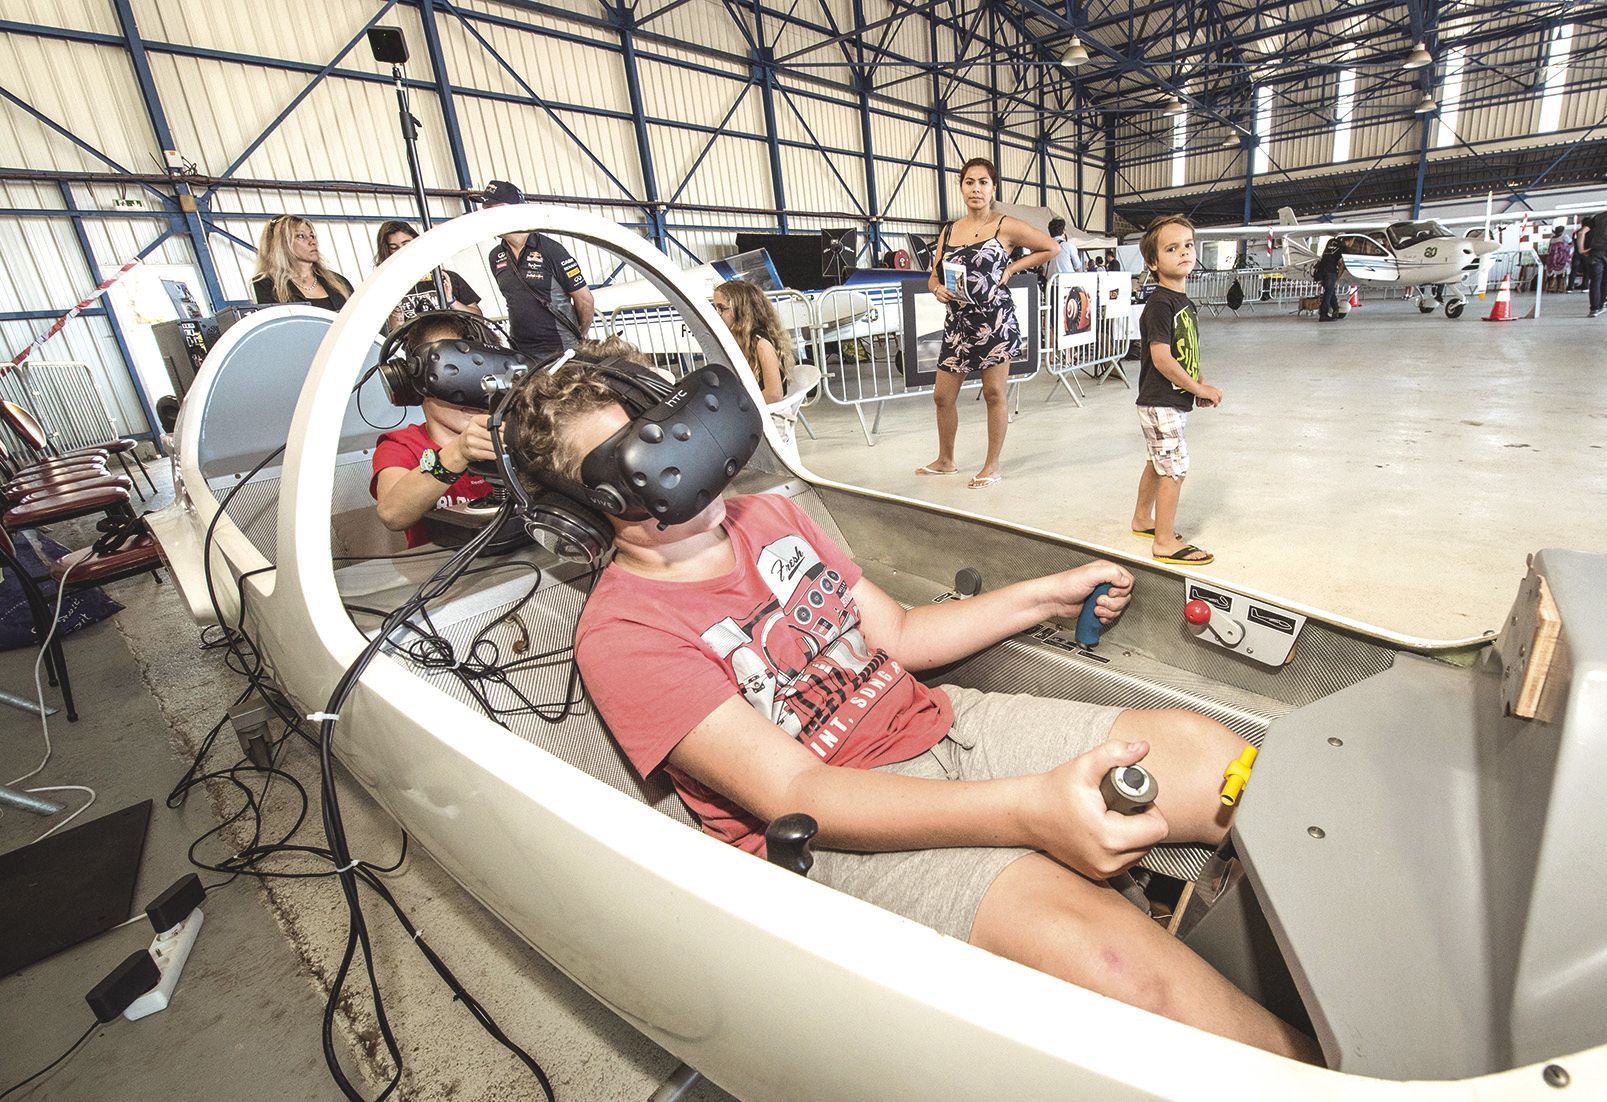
(292, 98)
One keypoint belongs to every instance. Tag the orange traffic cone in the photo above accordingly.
(1355, 297)
(1502, 310)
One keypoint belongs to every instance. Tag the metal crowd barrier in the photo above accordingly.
(1261, 288)
(662, 334)
(859, 342)
(62, 394)
(1099, 359)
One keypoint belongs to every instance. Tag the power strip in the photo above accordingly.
(170, 950)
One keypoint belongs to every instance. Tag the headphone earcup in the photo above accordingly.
(568, 529)
(400, 382)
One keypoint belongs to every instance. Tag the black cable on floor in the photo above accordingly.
(15, 1087)
(250, 663)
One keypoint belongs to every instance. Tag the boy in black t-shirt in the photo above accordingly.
(1169, 385)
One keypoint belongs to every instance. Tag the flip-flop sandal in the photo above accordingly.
(929, 469)
(1149, 533)
(982, 482)
(1181, 557)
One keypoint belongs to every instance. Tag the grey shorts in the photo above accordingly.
(994, 735)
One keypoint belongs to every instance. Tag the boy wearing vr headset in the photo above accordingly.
(739, 649)
(420, 467)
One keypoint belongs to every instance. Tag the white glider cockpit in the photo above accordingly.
(1377, 853)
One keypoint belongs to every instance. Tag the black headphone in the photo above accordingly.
(683, 445)
(448, 369)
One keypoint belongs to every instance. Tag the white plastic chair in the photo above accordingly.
(788, 411)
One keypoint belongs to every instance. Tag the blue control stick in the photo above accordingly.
(1088, 625)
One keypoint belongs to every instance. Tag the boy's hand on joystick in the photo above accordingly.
(1070, 821)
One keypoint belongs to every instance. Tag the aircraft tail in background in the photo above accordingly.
(1286, 217)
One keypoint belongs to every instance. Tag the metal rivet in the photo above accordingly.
(1555, 1075)
(1316, 832)
(1336, 742)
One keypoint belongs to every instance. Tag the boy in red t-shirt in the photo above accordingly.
(745, 654)
(405, 486)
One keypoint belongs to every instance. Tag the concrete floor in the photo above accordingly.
(1392, 468)
(245, 1019)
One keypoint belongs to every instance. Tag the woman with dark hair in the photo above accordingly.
(981, 333)
(459, 295)
(289, 268)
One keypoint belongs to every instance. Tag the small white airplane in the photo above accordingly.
(1425, 255)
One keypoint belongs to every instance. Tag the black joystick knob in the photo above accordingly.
(1129, 789)
(787, 842)
(967, 581)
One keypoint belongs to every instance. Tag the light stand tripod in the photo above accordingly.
(388, 45)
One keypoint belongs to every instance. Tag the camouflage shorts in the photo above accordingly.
(1163, 436)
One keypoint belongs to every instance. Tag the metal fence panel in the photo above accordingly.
(62, 394)
(1114, 332)
(859, 342)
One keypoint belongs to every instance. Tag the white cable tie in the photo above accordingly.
(350, 867)
(417, 934)
(320, 717)
(569, 354)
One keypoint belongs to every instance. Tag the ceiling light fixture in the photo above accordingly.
(1075, 54)
(1175, 106)
(1425, 105)
(1418, 58)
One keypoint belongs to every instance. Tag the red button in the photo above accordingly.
(1197, 613)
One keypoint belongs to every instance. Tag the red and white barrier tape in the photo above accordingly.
(61, 322)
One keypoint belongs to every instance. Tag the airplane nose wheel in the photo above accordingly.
(1454, 309)
(1424, 306)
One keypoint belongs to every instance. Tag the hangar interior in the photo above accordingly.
(1393, 472)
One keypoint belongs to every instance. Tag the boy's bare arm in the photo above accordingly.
(739, 753)
(932, 635)
(1160, 354)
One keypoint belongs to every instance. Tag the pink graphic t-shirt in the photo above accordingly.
(781, 630)
(404, 447)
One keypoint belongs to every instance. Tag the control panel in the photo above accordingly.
(1258, 630)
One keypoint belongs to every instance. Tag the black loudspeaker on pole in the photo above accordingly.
(389, 46)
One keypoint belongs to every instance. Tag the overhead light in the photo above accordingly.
(1425, 105)
(1231, 142)
(1175, 106)
(1075, 54)
(1418, 58)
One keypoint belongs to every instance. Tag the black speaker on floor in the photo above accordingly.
(839, 254)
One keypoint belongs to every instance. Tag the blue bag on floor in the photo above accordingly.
(81, 608)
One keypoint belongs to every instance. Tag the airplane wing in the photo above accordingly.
(1538, 217)
(1289, 227)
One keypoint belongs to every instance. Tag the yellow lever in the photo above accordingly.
(1237, 775)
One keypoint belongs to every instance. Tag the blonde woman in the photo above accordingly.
(289, 268)
(759, 333)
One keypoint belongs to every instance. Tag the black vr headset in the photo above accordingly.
(453, 369)
(684, 444)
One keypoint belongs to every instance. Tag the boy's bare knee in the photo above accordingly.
(993, 396)
(1126, 974)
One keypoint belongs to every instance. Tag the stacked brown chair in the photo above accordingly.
(29, 430)
(109, 560)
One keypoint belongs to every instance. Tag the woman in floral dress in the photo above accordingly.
(982, 334)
